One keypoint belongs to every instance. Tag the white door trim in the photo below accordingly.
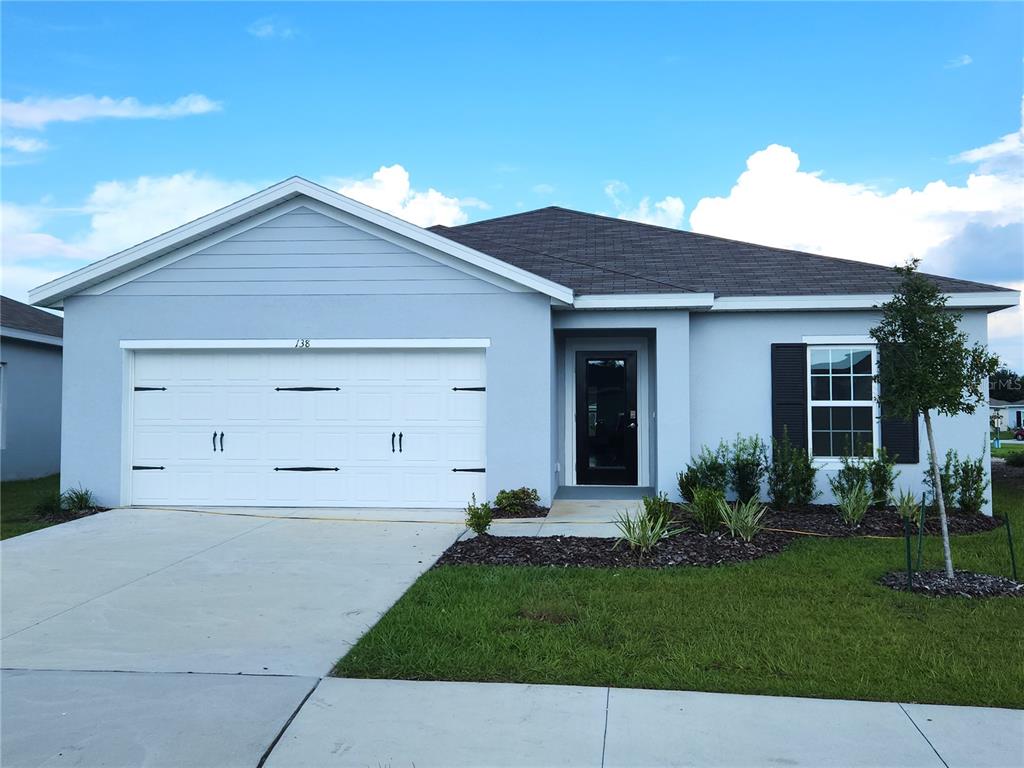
(608, 344)
(305, 343)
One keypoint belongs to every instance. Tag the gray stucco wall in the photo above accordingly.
(730, 381)
(32, 407)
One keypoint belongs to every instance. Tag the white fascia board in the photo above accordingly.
(839, 340)
(51, 294)
(646, 301)
(39, 338)
(991, 300)
(302, 344)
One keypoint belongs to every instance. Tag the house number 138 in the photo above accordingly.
(302, 343)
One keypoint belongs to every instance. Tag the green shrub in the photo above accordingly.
(77, 500)
(1015, 458)
(853, 474)
(971, 484)
(642, 531)
(743, 519)
(705, 509)
(657, 507)
(949, 478)
(748, 460)
(478, 516)
(908, 507)
(520, 501)
(882, 475)
(853, 502)
(708, 470)
(791, 475)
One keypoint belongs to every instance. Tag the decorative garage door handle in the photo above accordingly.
(307, 389)
(222, 442)
(215, 441)
(150, 389)
(399, 442)
(392, 442)
(470, 469)
(142, 466)
(469, 389)
(305, 469)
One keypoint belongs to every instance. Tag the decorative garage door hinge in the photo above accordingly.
(469, 389)
(150, 389)
(142, 466)
(305, 469)
(307, 389)
(470, 469)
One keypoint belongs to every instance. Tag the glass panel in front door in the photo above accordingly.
(607, 413)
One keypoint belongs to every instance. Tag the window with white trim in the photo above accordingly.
(843, 418)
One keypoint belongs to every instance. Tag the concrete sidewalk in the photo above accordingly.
(401, 724)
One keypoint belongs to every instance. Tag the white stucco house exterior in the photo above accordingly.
(298, 348)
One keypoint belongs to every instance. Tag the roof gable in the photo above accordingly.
(124, 266)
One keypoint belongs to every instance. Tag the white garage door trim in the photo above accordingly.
(130, 347)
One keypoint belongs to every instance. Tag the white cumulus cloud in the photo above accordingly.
(390, 190)
(271, 26)
(37, 113)
(667, 212)
(26, 144)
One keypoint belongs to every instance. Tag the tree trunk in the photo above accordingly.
(939, 494)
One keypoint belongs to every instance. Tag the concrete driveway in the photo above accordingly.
(161, 637)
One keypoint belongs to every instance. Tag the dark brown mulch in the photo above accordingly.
(578, 551)
(65, 516)
(824, 519)
(963, 584)
(500, 513)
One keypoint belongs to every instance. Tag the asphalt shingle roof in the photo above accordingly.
(599, 255)
(14, 314)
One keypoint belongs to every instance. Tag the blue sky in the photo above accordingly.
(644, 111)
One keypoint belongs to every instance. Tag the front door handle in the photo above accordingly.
(399, 442)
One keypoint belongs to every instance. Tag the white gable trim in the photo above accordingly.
(53, 293)
(39, 338)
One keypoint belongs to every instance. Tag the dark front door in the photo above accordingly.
(606, 418)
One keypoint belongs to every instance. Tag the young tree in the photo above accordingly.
(926, 366)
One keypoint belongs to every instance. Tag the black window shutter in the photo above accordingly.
(900, 438)
(789, 393)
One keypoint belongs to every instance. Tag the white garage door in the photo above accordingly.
(312, 427)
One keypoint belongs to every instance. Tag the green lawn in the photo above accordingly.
(1005, 450)
(18, 499)
(809, 622)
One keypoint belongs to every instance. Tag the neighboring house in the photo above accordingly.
(1006, 415)
(298, 348)
(30, 374)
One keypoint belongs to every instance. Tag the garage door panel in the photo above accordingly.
(240, 393)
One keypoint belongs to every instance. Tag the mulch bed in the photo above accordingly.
(501, 513)
(963, 584)
(824, 519)
(577, 551)
(65, 517)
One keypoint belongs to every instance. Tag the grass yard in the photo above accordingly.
(1005, 450)
(809, 622)
(18, 499)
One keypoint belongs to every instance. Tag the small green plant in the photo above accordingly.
(748, 461)
(77, 500)
(708, 470)
(852, 474)
(519, 502)
(1015, 459)
(791, 475)
(478, 516)
(657, 507)
(705, 509)
(641, 532)
(971, 484)
(908, 507)
(882, 475)
(853, 502)
(743, 519)
(949, 478)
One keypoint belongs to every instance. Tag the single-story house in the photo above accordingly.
(30, 394)
(1006, 415)
(298, 348)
